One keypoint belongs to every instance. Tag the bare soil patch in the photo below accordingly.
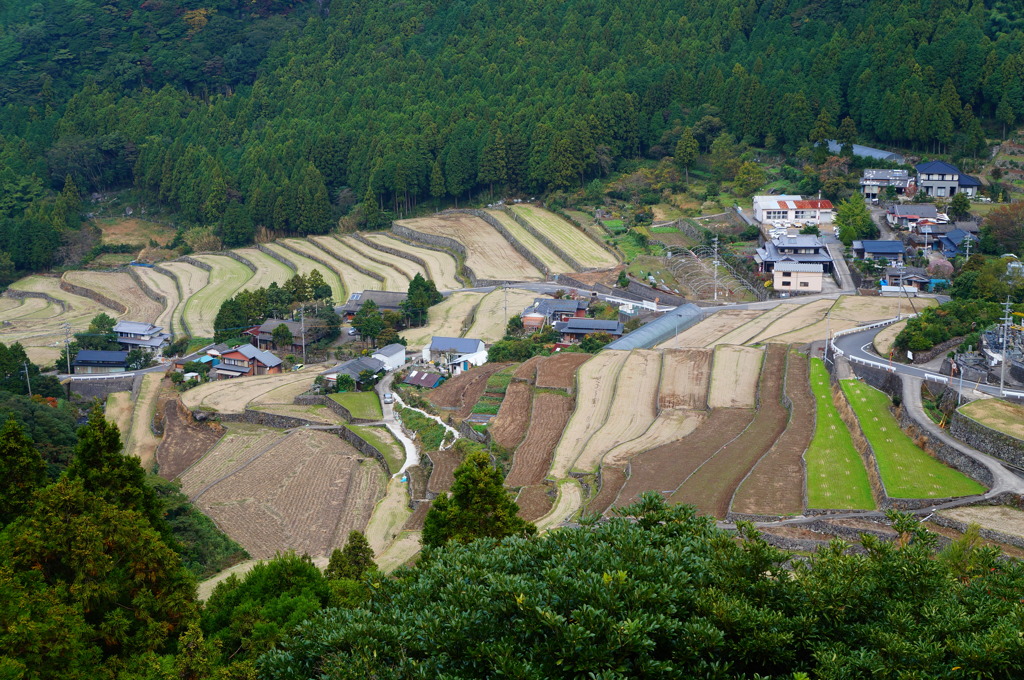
(559, 371)
(185, 440)
(509, 427)
(999, 518)
(535, 501)
(712, 486)
(612, 480)
(528, 370)
(664, 468)
(685, 376)
(776, 484)
(796, 532)
(442, 475)
(461, 393)
(415, 521)
(734, 377)
(548, 419)
(707, 332)
(133, 231)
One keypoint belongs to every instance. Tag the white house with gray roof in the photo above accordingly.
(457, 354)
(392, 356)
(132, 334)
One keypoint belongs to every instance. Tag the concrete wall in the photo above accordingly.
(100, 388)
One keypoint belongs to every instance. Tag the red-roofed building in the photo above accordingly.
(792, 209)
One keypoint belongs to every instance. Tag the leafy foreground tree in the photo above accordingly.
(478, 507)
(668, 595)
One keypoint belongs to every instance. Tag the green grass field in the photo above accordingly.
(360, 404)
(836, 476)
(382, 440)
(907, 471)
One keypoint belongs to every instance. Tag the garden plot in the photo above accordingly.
(305, 266)
(754, 327)
(488, 254)
(226, 278)
(192, 280)
(394, 279)
(711, 487)
(559, 370)
(906, 470)
(508, 428)
(997, 414)
(445, 319)
(442, 473)
(461, 393)
(120, 287)
(268, 269)
(140, 440)
(734, 377)
(355, 280)
(406, 268)
(685, 376)
(495, 309)
(132, 231)
(636, 400)
(836, 476)
(548, 418)
(232, 396)
(554, 263)
(596, 380)
(776, 484)
(528, 370)
(612, 481)
(441, 267)
(707, 332)
(584, 249)
(166, 286)
(305, 493)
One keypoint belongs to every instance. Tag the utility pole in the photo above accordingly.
(899, 297)
(714, 262)
(1006, 346)
(67, 343)
(967, 245)
(505, 286)
(27, 380)
(303, 334)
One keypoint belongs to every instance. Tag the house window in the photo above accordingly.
(801, 214)
(787, 283)
(787, 273)
(805, 284)
(776, 214)
(940, 191)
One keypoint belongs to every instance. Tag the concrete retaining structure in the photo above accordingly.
(22, 294)
(100, 388)
(277, 256)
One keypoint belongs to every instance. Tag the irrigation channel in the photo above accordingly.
(412, 455)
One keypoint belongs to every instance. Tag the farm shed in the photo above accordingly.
(94, 361)
(672, 323)
(385, 300)
(392, 356)
(423, 379)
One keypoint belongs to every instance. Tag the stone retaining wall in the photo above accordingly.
(391, 251)
(235, 256)
(460, 259)
(990, 534)
(22, 294)
(277, 256)
(93, 295)
(527, 254)
(576, 223)
(984, 438)
(254, 417)
(194, 262)
(347, 261)
(366, 448)
(445, 244)
(177, 285)
(940, 349)
(144, 287)
(543, 238)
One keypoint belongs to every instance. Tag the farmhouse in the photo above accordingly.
(302, 333)
(953, 243)
(908, 277)
(392, 356)
(132, 334)
(907, 216)
(798, 278)
(353, 368)
(385, 300)
(873, 182)
(94, 361)
(423, 379)
(244, 360)
(937, 178)
(866, 152)
(799, 248)
(879, 250)
(575, 329)
(546, 311)
(792, 209)
(457, 354)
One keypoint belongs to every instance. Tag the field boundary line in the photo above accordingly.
(543, 238)
(262, 247)
(91, 294)
(238, 469)
(462, 271)
(241, 258)
(615, 394)
(358, 236)
(527, 254)
(340, 258)
(387, 265)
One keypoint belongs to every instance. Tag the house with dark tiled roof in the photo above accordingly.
(95, 361)
(874, 182)
(354, 368)
(575, 329)
(942, 180)
(893, 251)
(797, 248)
(953, 243)
(385, 300)
(909, 214)
(546, 311)
(133, 334)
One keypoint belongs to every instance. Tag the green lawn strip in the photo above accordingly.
(907, 471)
(364, 405)
(488, 405)
(498, 383)
(836, 476)
(382, 440)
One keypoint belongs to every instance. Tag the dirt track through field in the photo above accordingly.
(559, 370)
(776, 484)
(548, 419)
(445, 319)
(734, 376)
(685, 377)
(509, 427)
(711, 487)
(706, 333)
(494, 310)
(441, 267)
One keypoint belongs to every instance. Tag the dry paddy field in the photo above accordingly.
(863, 309)
(734, 377)
(885, 338)
(166, 286)
(494, 310)
(558, 371)
(446, 319)
(754, 327)
(566, 236)
(554, 263)
(509, 427)
(707, 332)
(407, 269)
(548, 417)
(132, 231)
(140, 440)
(685, 375)
(997, 414)
(305, 266)
(669, 426)
(120, 287)
(441, 267)
(596, 389)
(488, 254)
(567, 503)
(232, 396)
(192, 280)
(797, 317)
(227, 277)
(304, 491)
(268, 269)
(118, 411)
(342, 253)
(999, 518)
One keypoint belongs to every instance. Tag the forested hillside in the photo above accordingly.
(286, 114)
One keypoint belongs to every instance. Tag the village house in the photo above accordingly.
(132, 334)
(392, 356)
(942, 180)
(794, 209)
(795, 277)
(456, 354)
(874, 182)
(953, 243)
(909, 215)
(796, 248)
(546, 311)
(354, 368)
(303, 334)
(926, 234)
(908, 277)
(386, 301)
(893, 251)
(243, 361)
(575, 329)
(95, 361)
(424, 379)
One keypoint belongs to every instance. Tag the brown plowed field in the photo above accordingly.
(670, 425)
(534, 501)
(559, 371)
(461, 393)
(442, 476)
(528, 370)
(685, 375)
(664, 468)
(185, 441)
(415, 521)
(711, 487)
(612, 480)
(509, 427)
(532, 459)
(776, 484)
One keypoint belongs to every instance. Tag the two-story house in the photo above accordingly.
(942, 180)
(874, 182)
(302, 333)
(546, 311)
(132, 334)
(799, 248)
(792, 209)
(245, 360)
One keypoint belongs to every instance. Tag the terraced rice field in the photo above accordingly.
(734, 377)
(446, 319)
(120, 287)
(558, 371)
(305, 265)
(570, 239)
(118, 411)
(167, 287)
(388, 517)
(268, 270)
(488, 254)
(406, 268)
(192, 280)
(906, 470)
(394, 279)
(997, 414)
(751, 329)
(596, 380)
(707, 332)
(508, 428)
(567, 504)
(685, 376)
(798, 317)
(441, 267)
(354, 280)
(140, 440)
(225, 279)
(232, 396)
(836, 476)
(548, 417)
(494, 310)
(670, 425)
(381, 439)
(867, 308)
(554, 263)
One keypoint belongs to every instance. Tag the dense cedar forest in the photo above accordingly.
(286, 114)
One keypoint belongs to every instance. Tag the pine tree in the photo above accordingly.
(437, 185)
(353, 561)
(22, 472)
(847, 134)
(823, 129)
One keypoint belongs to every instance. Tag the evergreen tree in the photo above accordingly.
(823, 129)
(230, 322)
(312, 206)
(236, 227)
(686, 152)
(847, 135)
(437, 183)
(492, 159)
(368, 321)
(353, 561)
(22, 472)
(853, 220)
(282, 337)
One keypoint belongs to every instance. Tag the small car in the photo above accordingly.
(352, 331)
(389, 398)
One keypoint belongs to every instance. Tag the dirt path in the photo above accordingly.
(568, 502)
(119, 411)
(141, 442)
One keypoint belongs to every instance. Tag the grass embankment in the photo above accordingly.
(836, 476)
(431, 433)
(364, 405)
(907, 471)
(382, 440)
